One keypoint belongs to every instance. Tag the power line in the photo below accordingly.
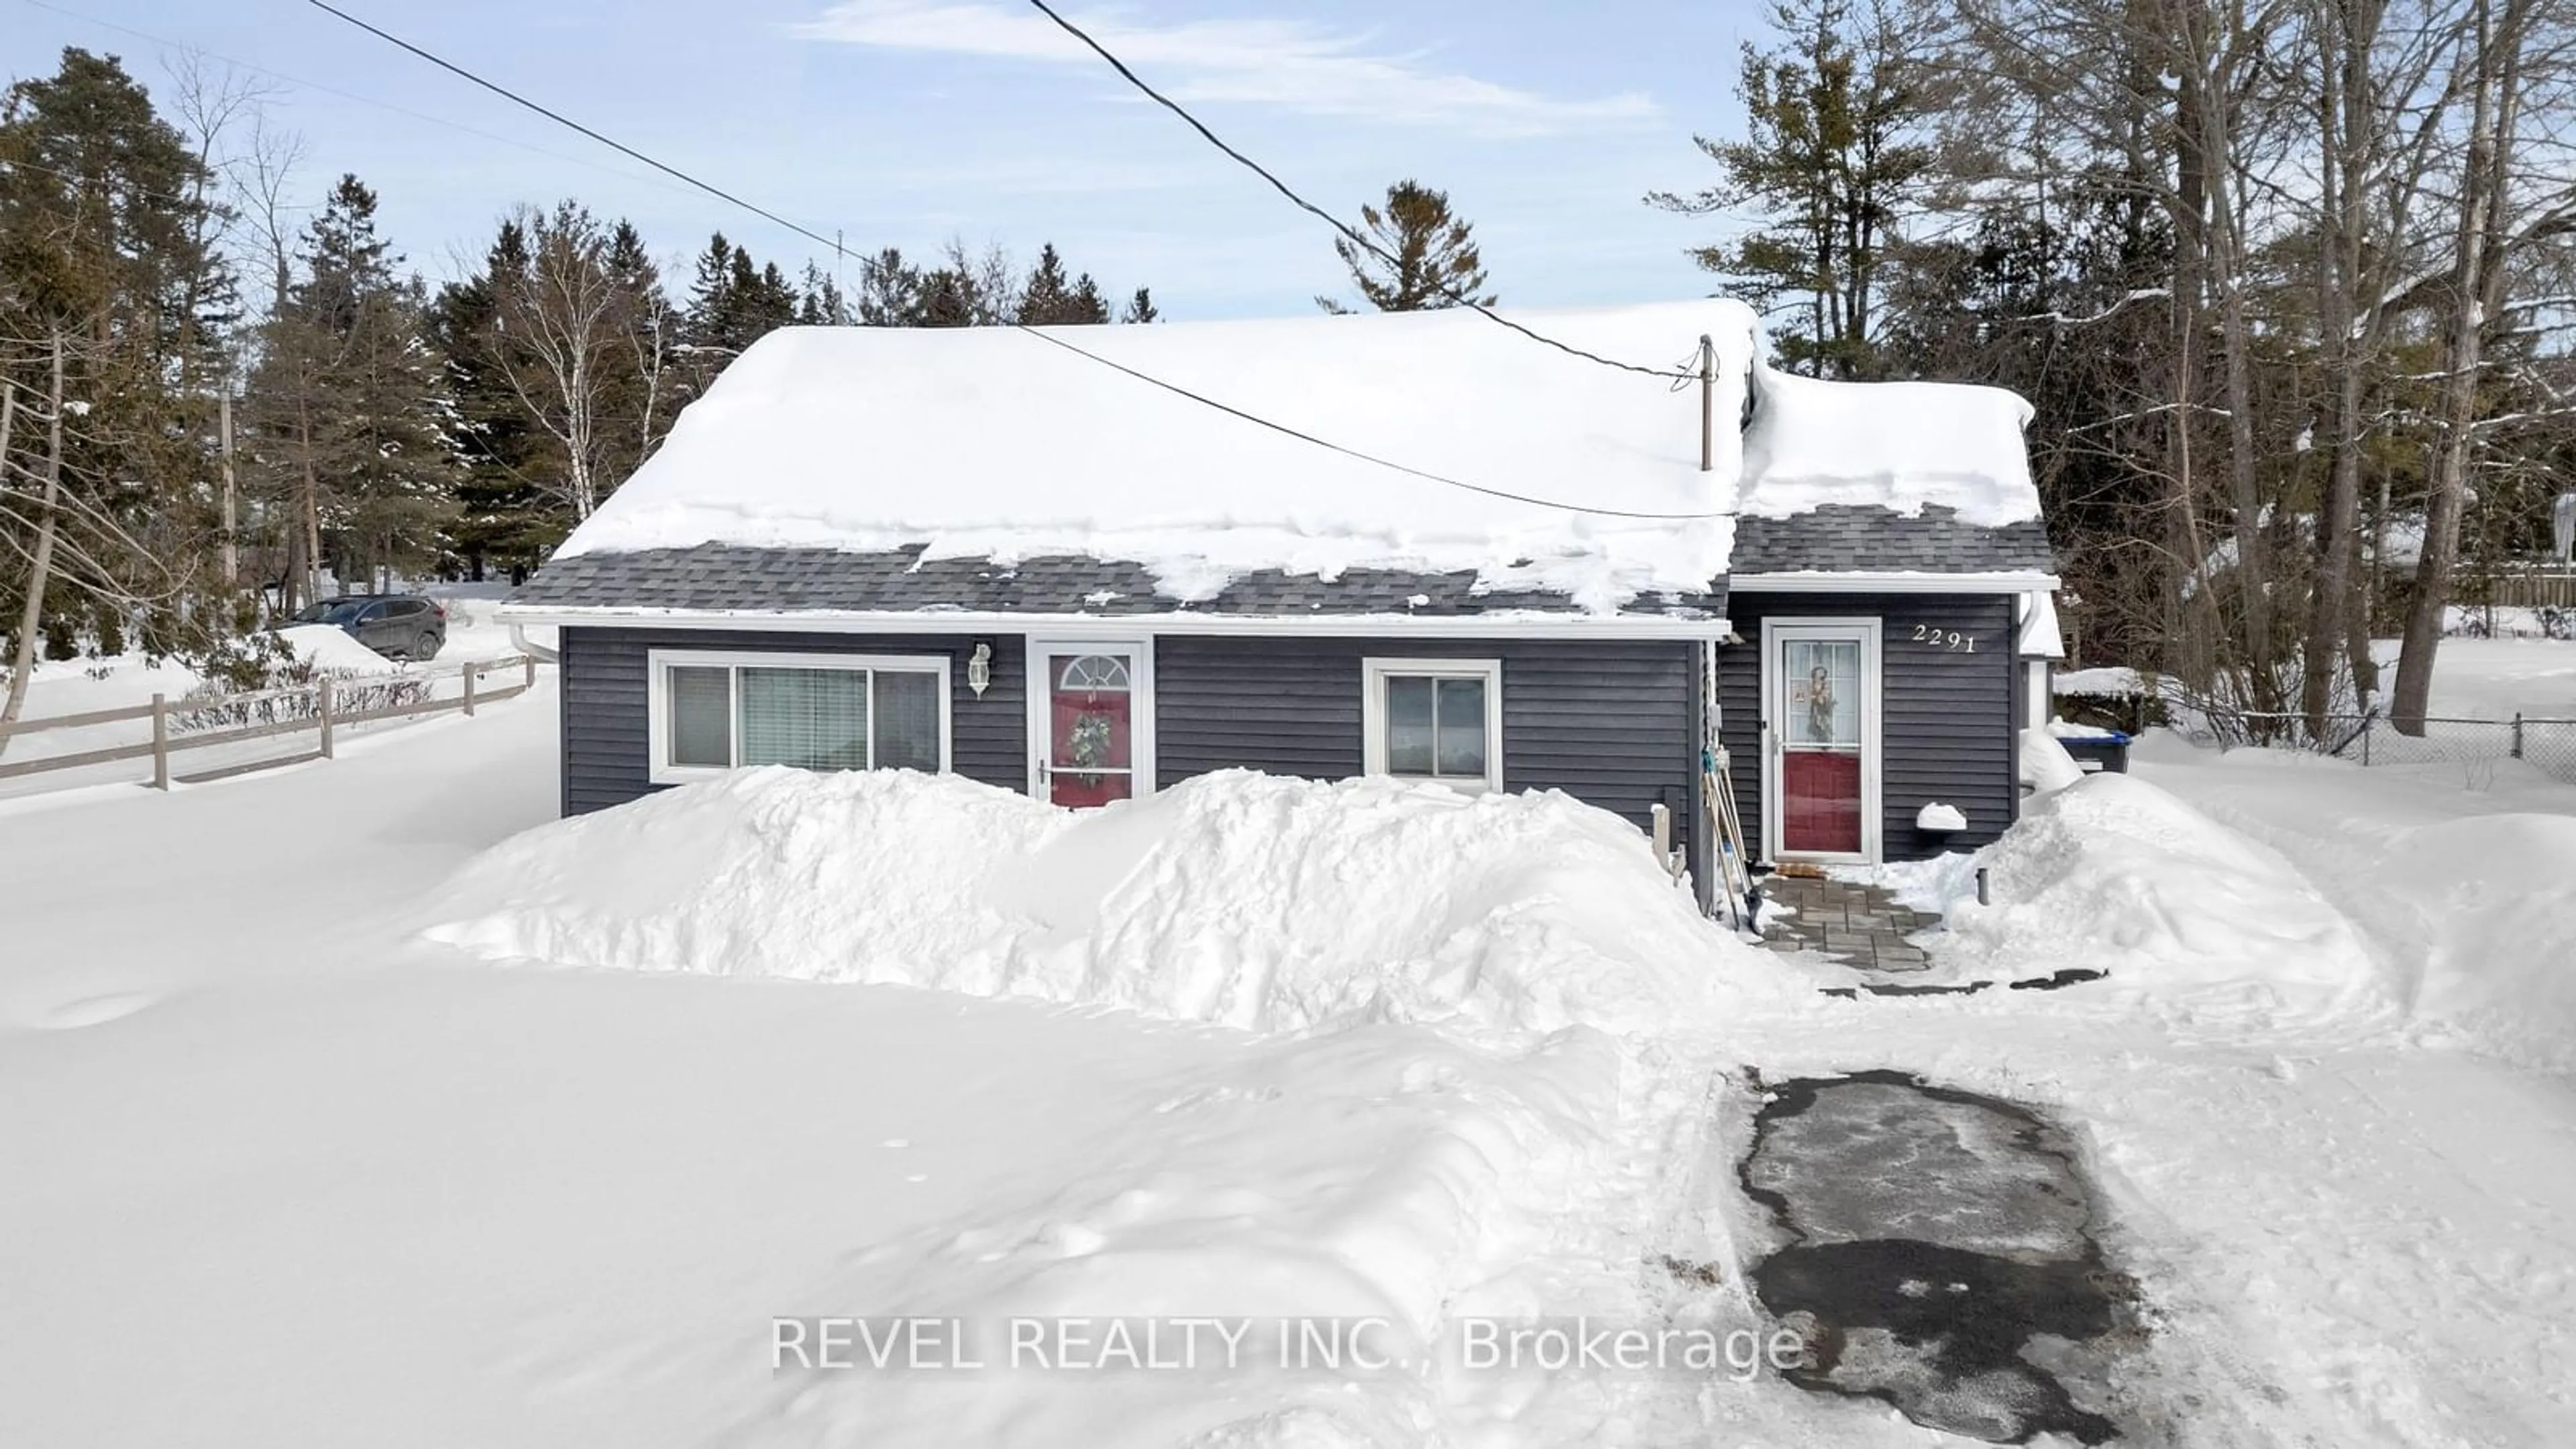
(1327, 443)
(316, 86)
(1038, 333)
(560, 119)
(1336, 223)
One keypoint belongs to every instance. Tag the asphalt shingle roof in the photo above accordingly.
(735, 578)
(1840, 538)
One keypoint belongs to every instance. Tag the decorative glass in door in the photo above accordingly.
(1818, 725)
(1091, 727)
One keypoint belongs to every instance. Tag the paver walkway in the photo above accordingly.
(1858, 925)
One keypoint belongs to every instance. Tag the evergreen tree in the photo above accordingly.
(105, 243)
(1048, 300)
(820, 301)
(501, 513)
(890, 291)
(1832, 156)
(1140, 308)
(349, 402)
(1086, 307)
(1047, 296)
(1436, 260)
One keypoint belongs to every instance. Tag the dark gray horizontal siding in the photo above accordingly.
(1607, 722)
(605, 709)
(1947, 728)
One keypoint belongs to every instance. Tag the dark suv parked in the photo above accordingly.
(398, 626)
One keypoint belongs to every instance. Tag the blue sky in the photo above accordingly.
(903, 122)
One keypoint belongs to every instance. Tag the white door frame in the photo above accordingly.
(1139, 649)
(1839, 628)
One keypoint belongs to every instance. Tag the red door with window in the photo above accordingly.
(1090, 715)
(1820, 738)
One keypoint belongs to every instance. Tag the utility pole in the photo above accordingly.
(232, 547)
(1707, 403)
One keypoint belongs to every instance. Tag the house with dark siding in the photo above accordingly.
(1090, 563)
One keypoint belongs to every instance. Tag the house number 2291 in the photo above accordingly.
(1950, 639)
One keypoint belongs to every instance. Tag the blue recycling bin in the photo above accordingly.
(2094, 753)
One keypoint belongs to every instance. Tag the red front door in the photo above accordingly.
(1819, 732)
(1090, 724)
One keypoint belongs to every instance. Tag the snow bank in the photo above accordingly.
(2045, 764)
(1895, 445)
(1453, 1136)
(1237, 898)
(2110, 873)
(2493, 902)
(825, 437)
(329, 648)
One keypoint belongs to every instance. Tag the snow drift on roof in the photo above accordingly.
(1894, 445)
(987, 442)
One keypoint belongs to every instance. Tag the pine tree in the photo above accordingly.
(106, 241)
(1832, 155)
(1086, 307)
(1436, 260)
(890, 291)
(820, 301)
(349, 403)
(1047, 295)
(501, 513)
(1140, 308)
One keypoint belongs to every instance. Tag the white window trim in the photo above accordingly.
(1374, 673)
(658, 664)
(1840, 627)
(1139, 649)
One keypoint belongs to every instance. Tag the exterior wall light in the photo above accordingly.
(979, 669)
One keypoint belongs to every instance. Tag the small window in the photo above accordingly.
(816, 712)
(1434, 719)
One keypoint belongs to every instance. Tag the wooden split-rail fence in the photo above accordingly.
(316, 707)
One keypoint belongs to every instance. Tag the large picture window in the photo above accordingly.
(715, 711)
(1434, 719)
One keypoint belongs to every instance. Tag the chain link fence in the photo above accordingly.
(2476, 745)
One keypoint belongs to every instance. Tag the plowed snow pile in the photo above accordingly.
(2113, 874)
(1452, 1137)
(1236, 898)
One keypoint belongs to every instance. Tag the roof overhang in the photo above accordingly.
(1865, 582)
(1512, 624)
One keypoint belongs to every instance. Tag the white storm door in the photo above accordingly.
(1091, 720)
(1820, 757)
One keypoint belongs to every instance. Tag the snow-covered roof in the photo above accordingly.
(990, 443)
(1565, 478)
(1901, 446)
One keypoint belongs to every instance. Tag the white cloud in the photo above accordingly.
(1289, 64)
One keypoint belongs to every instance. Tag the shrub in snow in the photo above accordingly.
(282, 660)
(1941, 817)
(1237, 898)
